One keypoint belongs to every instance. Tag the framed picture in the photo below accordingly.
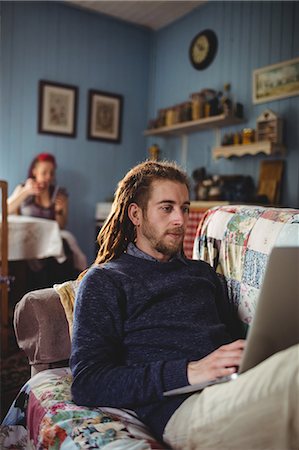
(276, 81)
(104, 116)
(57, 108)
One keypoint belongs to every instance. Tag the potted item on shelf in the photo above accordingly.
(227, 105)
(225, 100)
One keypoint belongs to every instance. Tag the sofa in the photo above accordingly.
(235, 239)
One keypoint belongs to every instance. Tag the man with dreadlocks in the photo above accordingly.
(148, 320)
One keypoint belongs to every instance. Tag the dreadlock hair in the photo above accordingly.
(135, 187)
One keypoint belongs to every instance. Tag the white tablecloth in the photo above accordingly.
(33, 238)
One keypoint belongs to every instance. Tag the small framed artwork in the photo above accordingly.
(276, 81)
(104, 116)
(57, 108)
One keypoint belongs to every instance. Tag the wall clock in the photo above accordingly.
(203, 49)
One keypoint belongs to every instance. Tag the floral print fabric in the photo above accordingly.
(53, 421)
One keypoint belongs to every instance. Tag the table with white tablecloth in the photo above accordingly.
(32, 243)
(33, 238)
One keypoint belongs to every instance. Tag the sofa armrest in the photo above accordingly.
(41, 329)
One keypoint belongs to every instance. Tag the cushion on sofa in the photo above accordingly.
(67, 294)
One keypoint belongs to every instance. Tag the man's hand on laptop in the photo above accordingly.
(222, 362)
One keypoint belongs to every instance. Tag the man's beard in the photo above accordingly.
(160, 244)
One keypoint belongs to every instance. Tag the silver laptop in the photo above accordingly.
(276, 322)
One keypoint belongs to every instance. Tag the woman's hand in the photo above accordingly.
(21, 193)
(223, 361)
(61, 209)
(60, 202)
(30, 187)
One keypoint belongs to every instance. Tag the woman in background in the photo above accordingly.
(38, 196)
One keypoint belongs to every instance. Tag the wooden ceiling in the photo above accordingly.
(150, 14)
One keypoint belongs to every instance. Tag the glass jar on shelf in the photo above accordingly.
(197, 106)
(247, 135)
(169, 117)
(161, 118)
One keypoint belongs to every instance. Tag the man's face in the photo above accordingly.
(161, 227)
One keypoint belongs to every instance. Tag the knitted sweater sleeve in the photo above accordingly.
(100, 374)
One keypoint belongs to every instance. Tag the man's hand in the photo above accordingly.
(223, 361)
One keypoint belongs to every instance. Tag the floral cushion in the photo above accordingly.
(237, 240)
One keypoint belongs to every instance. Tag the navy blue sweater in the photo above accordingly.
(137, 324)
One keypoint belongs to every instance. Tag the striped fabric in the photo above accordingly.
(195, 216)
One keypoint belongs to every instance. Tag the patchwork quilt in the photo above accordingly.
(237, 239)
(55, 422)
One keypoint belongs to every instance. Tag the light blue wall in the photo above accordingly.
(48, 40)
(250, 35)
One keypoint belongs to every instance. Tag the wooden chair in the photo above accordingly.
(4, 279)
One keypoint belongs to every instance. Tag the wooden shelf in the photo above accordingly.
(267, 147)
(195, 125)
